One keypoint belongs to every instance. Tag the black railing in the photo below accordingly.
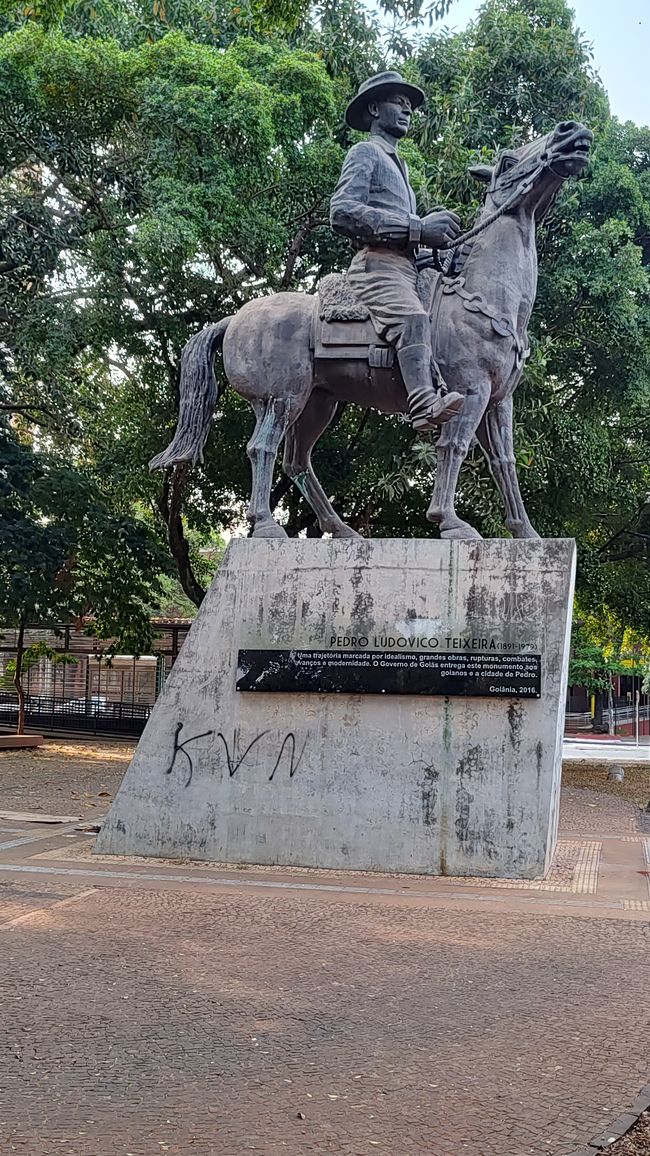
(96, 715)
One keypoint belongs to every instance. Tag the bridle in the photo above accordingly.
(522, 189)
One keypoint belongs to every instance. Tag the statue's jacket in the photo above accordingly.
(373, 203)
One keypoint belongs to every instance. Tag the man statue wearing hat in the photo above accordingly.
(374, 205)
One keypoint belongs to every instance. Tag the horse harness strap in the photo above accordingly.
(476, 303)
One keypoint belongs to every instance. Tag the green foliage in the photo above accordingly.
(64, 553)
(589, 667)
(172, 602)
(602, 646)
(215, 22)
(162, 164)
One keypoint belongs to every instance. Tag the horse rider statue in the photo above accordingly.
(374, 205)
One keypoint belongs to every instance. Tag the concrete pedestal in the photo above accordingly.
(387, 782)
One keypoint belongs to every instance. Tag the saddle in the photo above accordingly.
(343, 327)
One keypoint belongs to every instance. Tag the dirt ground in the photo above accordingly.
(636, 1142)
(593, 776)
(63, 776)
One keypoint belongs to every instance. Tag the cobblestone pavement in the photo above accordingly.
(150, 1008)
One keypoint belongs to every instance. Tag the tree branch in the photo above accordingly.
(313, 222)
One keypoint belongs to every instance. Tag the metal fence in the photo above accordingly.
(578, 721)
(55, 714)
(92, 694)
(625, 719)
(627, 714)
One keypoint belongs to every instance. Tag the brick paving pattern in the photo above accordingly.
(575, 870)
(156, 1011)
(18, 900)
(208, 1023)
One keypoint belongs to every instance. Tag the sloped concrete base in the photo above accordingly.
(458, 786)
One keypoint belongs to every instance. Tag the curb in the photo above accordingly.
(619, 1127)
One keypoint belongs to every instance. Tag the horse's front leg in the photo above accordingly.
(496, 440)
(451, 451)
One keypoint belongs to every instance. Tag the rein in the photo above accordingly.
(522, 188)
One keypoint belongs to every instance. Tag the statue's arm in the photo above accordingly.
(351, 215)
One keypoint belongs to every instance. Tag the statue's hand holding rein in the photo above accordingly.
(439, 228)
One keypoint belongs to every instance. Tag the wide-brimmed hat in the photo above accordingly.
(377, 88)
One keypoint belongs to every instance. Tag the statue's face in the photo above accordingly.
(393, 115)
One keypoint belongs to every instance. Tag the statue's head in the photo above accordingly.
(385, 101)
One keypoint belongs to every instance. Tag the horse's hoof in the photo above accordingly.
(269, 530)
(458, 535)
(459, 531)
(453, 527)
(345, 532)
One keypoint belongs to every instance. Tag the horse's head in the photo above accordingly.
(530, 176)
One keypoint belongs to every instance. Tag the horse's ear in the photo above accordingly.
(482, 173)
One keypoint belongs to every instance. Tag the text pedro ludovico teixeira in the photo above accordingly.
(448, 642)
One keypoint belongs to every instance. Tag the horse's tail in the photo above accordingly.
(199, 394)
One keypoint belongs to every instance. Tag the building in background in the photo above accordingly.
(93, 693)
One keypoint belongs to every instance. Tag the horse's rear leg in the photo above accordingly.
(301, 438)
(495, 438)
(451, 451)
(271, 425)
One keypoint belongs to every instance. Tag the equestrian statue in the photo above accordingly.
(406, 331)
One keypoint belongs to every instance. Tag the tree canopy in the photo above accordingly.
(162, 164)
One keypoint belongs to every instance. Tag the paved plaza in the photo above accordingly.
(188, 1009)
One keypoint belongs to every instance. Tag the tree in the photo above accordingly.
(603, 647)
(64, 554)
(158, 180)
(126, 173)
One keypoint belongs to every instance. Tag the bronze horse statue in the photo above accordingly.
(479, 314)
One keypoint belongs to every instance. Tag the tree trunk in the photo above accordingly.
(169, 504)
(610, 707)
(597, 724)
(18, 677)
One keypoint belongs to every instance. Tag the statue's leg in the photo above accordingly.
(262, 449)
(427, 405)
(495, 438)
(300, 440)
(451, 451)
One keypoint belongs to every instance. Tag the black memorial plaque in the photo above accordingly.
(390, 672)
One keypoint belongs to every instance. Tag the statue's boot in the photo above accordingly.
(428, 406)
